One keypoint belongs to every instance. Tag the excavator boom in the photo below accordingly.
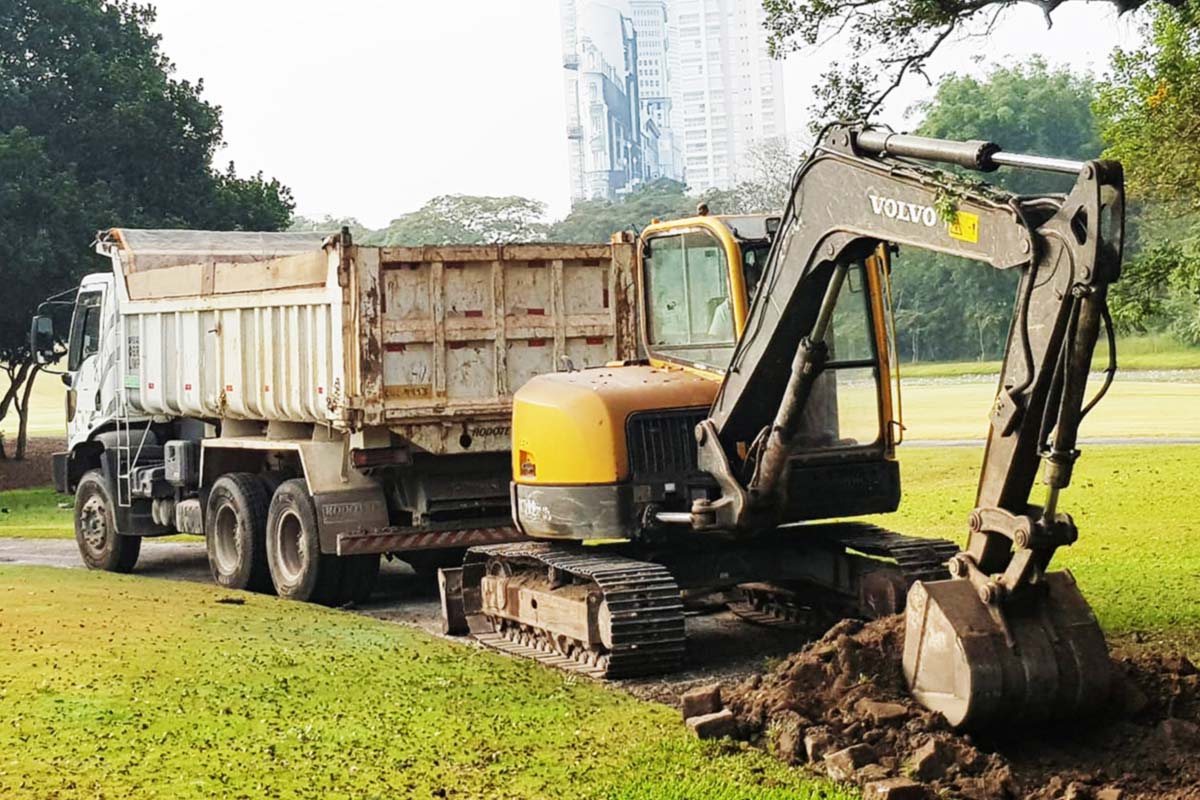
(1004, 638)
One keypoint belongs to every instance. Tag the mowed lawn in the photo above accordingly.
(114, 686)
(1137, 559)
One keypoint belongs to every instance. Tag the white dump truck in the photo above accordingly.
(307, 404)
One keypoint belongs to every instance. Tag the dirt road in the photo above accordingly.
(720, 645)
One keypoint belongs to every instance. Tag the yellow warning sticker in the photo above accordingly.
(965, 227)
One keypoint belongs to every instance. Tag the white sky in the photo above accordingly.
(367, 108)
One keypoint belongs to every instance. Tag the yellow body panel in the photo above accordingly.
(569, 427)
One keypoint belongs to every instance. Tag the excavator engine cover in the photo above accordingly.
(960, 661)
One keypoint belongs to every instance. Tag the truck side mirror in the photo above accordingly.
(41, 339)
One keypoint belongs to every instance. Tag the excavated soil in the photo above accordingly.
(847, 689)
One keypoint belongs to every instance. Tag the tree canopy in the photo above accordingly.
(1149, 110)
(466, 219)
(952, 309)
(96, 132)
(892, 40)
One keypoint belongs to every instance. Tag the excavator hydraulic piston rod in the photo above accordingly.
(974, 154)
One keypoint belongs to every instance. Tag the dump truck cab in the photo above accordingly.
(90, 340)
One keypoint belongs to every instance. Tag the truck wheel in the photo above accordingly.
(100, 546)
(298, 568)
(235, 528)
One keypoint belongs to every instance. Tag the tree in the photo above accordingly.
(94, 133)
(467, 219)
(900, 36)
(768, 168)
(331, 224)
(1026, 108)
(1150, 116)
(597, 220)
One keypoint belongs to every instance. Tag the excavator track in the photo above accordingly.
(780, 607)
(643, 602)
(918, 559)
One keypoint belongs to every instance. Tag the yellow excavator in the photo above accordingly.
(763, 414)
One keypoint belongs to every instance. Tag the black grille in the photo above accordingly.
(662, 444)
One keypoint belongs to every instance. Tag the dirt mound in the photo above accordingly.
(847, 691)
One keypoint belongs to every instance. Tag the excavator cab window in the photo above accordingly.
(689, 314)
(844, 410)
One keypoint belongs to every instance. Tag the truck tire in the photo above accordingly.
(100, 545)
(235, 530)
(298, 568)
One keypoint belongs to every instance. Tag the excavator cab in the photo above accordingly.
(697, 278)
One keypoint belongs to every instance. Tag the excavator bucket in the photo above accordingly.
(978, 667)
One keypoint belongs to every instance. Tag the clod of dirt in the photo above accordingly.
(842, 704)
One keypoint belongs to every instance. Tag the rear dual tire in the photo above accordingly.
(299, 570)
(235, 528)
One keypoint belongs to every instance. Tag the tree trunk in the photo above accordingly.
(17, 373)
(23, 414)
(16, 376)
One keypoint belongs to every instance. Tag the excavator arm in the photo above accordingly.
(1004, 637)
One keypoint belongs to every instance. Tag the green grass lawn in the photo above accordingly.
(47, 415)
(115, 686)
(1156, 352)
(34, 514)
(1131, 408)
(1138, 555)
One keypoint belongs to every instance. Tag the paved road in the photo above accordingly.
(720, 646)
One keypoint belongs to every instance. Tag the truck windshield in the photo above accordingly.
(689, 314)
(85, 329)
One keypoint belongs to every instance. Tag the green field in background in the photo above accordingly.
(957, 414)
(1134, 353)
(1137, 559)
(119, 686)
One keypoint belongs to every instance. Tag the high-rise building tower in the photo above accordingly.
(654, 74)
(677, 89)
(728, 90)
(605, 135)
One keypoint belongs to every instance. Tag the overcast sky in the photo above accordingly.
(370, 109)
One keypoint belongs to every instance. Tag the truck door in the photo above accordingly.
(84, 364)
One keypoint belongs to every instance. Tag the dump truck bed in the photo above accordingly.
(429, 342)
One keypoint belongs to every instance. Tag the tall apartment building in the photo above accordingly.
(605, 135)
(655, 68)
(728, 90)
(678, 89)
